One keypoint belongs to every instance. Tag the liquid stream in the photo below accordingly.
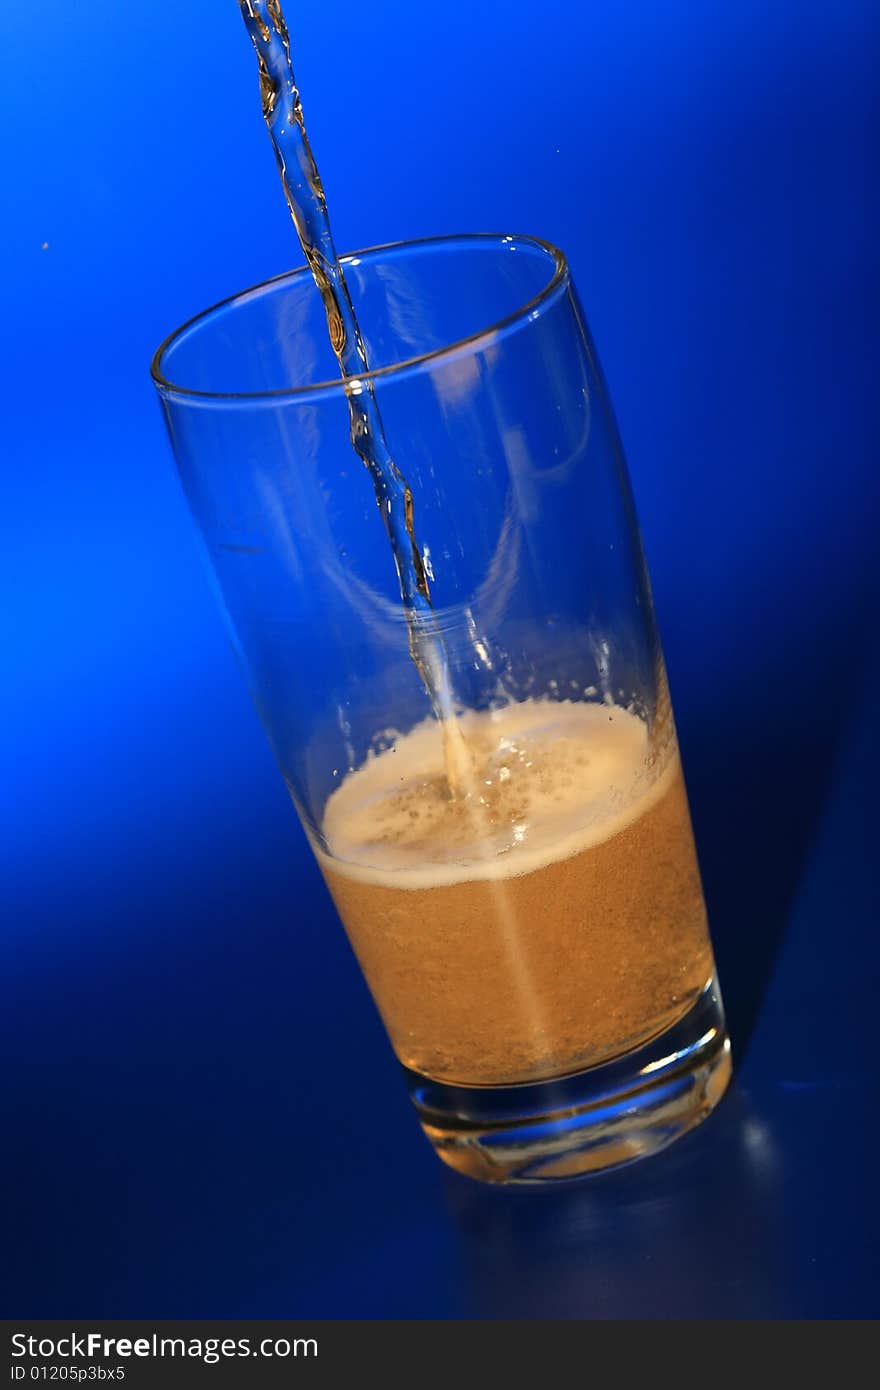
(283, 114)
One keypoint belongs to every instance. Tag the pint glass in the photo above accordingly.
(536, 943)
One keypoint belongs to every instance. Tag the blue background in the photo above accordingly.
(202, 1115)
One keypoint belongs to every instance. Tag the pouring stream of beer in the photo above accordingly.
(283, 114)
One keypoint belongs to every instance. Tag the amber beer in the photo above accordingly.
(550, 919)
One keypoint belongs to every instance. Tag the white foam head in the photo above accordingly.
(550, 778)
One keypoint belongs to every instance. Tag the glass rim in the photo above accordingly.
(419, 362)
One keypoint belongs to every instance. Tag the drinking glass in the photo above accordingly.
(537, 943)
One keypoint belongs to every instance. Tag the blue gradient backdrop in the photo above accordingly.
(204, 1117)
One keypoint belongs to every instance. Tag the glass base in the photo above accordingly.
(588, 1122)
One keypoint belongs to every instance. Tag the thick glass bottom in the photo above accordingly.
(589, 1121)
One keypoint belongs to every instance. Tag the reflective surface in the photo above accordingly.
(178, 1146)
(169, 1143)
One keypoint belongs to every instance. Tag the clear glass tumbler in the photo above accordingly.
(537, 944)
